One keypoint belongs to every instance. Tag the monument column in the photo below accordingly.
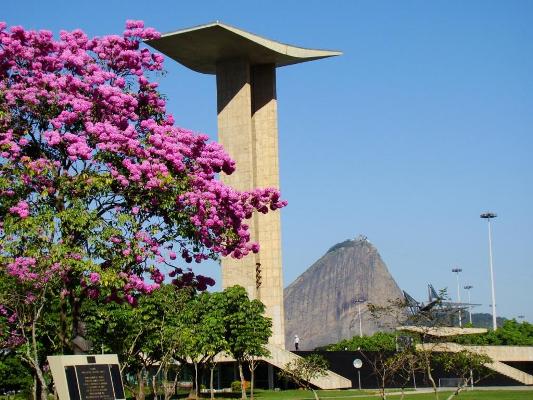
(245, 66)
(268, 226)
(235, 133)
(248, 130)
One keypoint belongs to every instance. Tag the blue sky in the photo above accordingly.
(423, 123)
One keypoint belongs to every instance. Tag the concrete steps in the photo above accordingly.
(280, 357)
(498, 354)
(511, 372)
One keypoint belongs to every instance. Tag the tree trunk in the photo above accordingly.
(430, 377)
(140, 386)
(39, 388)
(169, 389)
(212, 368)
(75, 314)
(44, 394)
(456, 392)
(34, 388)
(154, 386)
(252, 376)
(243, 386)
(383, 394)
(252, 364)
(42, 388)
(196, 387)
(63, 332)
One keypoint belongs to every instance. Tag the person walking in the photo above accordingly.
(296, 342)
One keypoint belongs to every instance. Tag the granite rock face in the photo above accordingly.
(320, 305)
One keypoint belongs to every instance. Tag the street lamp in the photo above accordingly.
(467, 288)
(488, 216)
(457, 270)
(357, 363)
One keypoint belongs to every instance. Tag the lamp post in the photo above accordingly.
(467, 288)
(457, 270)
(357, 363)
(488, 216)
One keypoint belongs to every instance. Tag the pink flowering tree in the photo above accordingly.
(101, 193)
(26, 299)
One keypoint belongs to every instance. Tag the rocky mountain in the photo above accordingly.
(321, 304)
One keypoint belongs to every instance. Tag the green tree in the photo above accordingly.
(29, 326)
(14, 375)
(204, 329)
(465, 365)
(511, 333)
(303, 370)
(212, 339)
(170, 338)
(379, 341)
(149, 334)
(247, 330)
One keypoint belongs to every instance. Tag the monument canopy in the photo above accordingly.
(200, 48)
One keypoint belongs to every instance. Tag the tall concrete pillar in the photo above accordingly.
(236, 134)
(267, 227)
(248, 130)
(245, 67)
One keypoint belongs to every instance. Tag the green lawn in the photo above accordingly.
(367, 395)
(304, 394)
(360, 395)
(493, 394)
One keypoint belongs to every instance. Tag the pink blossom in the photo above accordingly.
(22, 209)
(23, 268)
(94, 277)
(107, 137)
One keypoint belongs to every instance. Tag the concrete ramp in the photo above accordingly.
(280, 357)
(511, 372)
(498, 354)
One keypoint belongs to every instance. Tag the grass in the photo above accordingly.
(369, 395)
(356, 394)
(496, 394)
(307, 394)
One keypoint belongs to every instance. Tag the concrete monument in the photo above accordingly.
(245, 68)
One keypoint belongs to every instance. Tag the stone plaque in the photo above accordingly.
(95, 377)
(94, 382)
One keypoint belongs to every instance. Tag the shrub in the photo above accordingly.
(236, 386)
